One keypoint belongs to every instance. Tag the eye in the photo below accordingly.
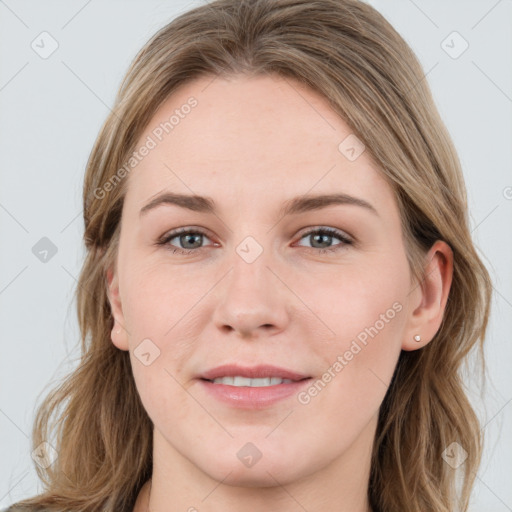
(322, 236)
(189, 239)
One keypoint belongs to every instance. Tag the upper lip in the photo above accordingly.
(253, 372)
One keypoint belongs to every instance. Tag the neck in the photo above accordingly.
(341, 486)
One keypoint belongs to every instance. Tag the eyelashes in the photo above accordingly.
(330, 233)
(186, 233)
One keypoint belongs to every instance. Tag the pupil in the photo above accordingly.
(187, 237)
(320, 236)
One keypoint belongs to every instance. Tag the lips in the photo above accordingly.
(252, 372)
(226, 385)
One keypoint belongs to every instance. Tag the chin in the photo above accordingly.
(260, 476)
(268, 471)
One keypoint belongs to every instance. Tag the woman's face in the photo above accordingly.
(261, 283)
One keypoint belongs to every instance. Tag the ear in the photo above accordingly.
(429, 297)
(119, 335)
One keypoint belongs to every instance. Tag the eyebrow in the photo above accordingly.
(292, 206)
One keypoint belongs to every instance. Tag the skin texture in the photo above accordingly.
(251, 144)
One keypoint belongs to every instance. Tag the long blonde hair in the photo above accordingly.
(346, 51)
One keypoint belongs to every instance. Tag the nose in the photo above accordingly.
(251, 301)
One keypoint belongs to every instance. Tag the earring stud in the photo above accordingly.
(417, 338)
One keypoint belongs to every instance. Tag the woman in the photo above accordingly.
(280, 283)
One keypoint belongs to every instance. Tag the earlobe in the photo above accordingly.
(431, 296)
(118, 334)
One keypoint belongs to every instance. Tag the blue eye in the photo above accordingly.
(186, 237)
(194, 237)
(319, 235)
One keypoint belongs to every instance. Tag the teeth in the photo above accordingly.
(254, 383)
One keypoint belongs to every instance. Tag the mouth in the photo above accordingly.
(240, 381)
(254, 387)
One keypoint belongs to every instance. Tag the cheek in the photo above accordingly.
(160, 342)
(365, 312)
(157, 296)
(157, 308)
(348, 301)
(349, 318)
(353, 310)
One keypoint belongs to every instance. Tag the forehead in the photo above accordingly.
(249, 139)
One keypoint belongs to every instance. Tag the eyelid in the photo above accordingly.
(344, 237)
(335, 232)
(173, 233)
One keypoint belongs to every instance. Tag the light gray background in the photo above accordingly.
(52, 109)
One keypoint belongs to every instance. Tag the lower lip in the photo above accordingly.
(246, 397)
